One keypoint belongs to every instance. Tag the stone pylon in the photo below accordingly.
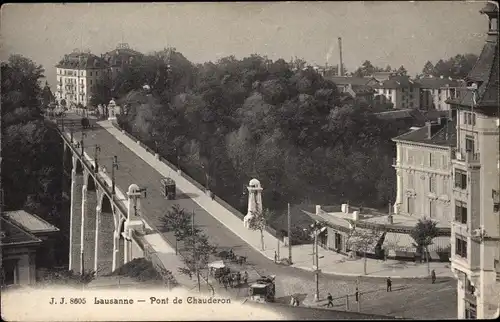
(254, 201)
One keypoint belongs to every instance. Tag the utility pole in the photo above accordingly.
(113, 166)
(289, 236)
(316, 275)
(194, 252)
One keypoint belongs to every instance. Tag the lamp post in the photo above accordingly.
(206, 177)
(113, 167)
(97, 149)
(81, 142)
(316, 231)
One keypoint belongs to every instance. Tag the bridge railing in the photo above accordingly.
(223, 203)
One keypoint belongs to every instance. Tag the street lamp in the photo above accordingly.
(97, 148)
(178, 158)
(113, 167)
(81, 142)
(206, 176)
(317, 229)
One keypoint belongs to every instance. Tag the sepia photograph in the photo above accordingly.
(281, 160)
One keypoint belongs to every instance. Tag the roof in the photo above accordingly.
(13, 235)
(381, 76)
(348, 80)
(419, 116)
(443, 134)
(485, 75)
(490, 8)
(362, 89)
(397, 81)
(82, 60)
(121, 55)
(30, 222)
(437, 82)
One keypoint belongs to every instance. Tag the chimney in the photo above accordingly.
(429, 129)
(441, 77)
(341, 70)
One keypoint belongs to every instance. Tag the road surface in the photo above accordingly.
(434, 301)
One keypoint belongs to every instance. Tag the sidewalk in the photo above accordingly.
(332, 263)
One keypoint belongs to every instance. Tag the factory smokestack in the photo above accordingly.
(341, 70)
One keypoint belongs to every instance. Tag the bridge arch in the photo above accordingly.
(89, 222)
(105, 234)
(76, 213)
(78, 167)
(120, 242)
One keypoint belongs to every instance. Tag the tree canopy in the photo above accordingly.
(456, 67)
(236, 119)
(31, 148)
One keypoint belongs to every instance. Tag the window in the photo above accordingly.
(97, 73)
(10, 274)
(432, 208)
(444, 188)
(469, 143)
(470, 310)
(90, 82)
(460, 179)
(431, 163)
(409, 156)
(90, 73)
(444, 162)
(461, 247)
(439, 93)
(460, 212)
(410, 180)
(409, 205)
(432, 184)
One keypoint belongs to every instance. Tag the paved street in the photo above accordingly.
(417, 299)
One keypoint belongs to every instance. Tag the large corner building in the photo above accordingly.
(475, 233)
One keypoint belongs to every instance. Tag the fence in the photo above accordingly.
(186, 176)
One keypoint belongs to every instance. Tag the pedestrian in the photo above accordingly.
(212, 195)
(357, 294)
(275, 257)
(389, 285)
(245, 277)
(330, 300)
(238, 278)
(225, 282)
(433, 276)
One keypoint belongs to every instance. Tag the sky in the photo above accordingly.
(397, 33)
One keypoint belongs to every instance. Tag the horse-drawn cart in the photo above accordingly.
(217, 269)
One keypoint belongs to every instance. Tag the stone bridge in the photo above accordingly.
(103, 222)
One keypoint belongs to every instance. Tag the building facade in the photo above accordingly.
(400, 90)
(423, 170)
(18, 254)
(359, 88)
(120, 57)
(436, 91)
(475, 203)
(77, 74)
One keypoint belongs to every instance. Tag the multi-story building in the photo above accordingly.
(120, 57)
(423, 172)
(359, 88)
(400, 90)
(77, 74)
(436, 91)
(475, 229)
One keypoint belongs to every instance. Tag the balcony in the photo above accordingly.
(467, 157)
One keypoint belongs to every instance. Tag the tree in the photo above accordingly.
(198, 255)
(363, 240)
(47, 96)
(428, 69)
(101, 92)
(258, 222)
(423, 233)
(176, 220)
(366, 69)
(402, 70)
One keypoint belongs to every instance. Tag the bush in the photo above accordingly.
(143, 270)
